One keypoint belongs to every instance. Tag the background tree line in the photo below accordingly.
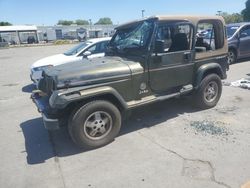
(237, 17)
(5, 23)
(101, 21)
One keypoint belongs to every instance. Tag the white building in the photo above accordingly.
(74, 32)
(33, 34)
(18, 34)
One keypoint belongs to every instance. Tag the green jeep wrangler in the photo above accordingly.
(147, 60)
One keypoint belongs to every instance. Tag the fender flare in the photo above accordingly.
(60, 100)
(206, 69)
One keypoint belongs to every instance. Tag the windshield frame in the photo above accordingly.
(134, 27)
(78, 48)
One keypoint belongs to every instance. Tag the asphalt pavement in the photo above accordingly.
(167, 144)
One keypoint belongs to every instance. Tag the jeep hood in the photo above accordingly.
(88, 72)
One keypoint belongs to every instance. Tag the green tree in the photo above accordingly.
(246, 12)
(81, 22)
(104, 21)
(65, 22)
(5, 23)
(232, 18)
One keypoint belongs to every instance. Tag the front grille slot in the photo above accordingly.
(47, 84)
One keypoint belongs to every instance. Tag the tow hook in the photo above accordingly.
(37, 94)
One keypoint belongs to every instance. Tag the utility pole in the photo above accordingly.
(219, 12)
(90, 23)
(90, 27)
(142, 13)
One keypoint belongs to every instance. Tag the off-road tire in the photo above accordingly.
(81, 119)
(202, 95)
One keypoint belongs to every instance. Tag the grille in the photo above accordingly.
(47, 84)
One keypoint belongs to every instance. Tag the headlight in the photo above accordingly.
(42, 68)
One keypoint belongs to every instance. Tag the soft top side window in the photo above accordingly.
(209, 36)
(176, 35)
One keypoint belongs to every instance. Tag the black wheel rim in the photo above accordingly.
(98, 125)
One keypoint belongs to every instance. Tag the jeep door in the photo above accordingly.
(244, 41)
(171, 64)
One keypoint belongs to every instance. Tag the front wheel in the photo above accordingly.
(209, 92)
(95, 124)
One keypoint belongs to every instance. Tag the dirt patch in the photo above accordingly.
(10, 85)
(238, 99)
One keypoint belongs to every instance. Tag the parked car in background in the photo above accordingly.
(204, 33)
(92, 48)
(31, 40)
(238, 35)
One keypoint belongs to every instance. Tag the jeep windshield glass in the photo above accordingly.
(231, 30)
(135, 36)
(77, 48)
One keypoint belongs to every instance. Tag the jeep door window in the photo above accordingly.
(209, 36)
(136, 36)
(176, 36)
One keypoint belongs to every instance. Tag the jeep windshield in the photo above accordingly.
(132, 36)
(77, 48)
(231, 30)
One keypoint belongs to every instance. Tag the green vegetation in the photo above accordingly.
(5, 23)
(246, 12)
(65, 22)
(232, 18)
(70, 22)
(81, 22)
(237, 17)
(59, 42)
(101, 21)
(104, 21)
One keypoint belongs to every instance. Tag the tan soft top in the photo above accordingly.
(192, 19)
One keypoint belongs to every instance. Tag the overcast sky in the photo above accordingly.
(48, 12)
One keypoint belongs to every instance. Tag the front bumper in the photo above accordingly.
(42, 104)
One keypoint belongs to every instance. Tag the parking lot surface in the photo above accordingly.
(169, 144)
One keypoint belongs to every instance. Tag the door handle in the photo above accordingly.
(187, 55)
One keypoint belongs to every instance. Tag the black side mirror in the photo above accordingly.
(159, 46)
(243, 35)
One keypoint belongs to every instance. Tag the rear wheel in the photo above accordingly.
(231, 57)
(95, 124)
(209, 92)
